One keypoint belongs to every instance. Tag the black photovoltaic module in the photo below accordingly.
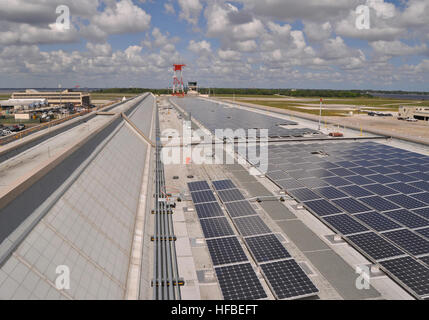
(240, 282)
(267, 248)
(216, 228)
(203, 197)
(409, 241)
(230, 195)
(209, 210)
(288, 280)
(345, 224)
(411, 273)
(322, 207)
(375, 246)
(226, 251)
(377, 221)
(240, 209)
(198, 186)
(223, 185)
(351, 205)
(250, 226)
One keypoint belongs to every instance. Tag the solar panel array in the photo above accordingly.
(264, 246)
(237, 278)
(375, 195)
(215, 113)
(393, 191)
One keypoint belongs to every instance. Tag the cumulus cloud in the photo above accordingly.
(190, 10)
(239, 41)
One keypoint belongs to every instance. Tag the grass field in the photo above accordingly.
(293, 107)
(230, 96)
(378, 104)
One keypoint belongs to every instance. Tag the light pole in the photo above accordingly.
(320, 115)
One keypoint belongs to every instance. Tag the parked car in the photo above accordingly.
(411, 120)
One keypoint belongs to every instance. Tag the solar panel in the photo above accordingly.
(322, 207)
(425, 260)
(240, 282)
(251, 226)
(198, 186)
(289, 184)
(409, 241)
(304, 194)
(267, 248)
(403, 177)
(346, 164)
(216, 228)
(380, 178)
(364, 163)
(424, 212)
(226, 251)
(423, 197)
(345, 224)
(374, 246)
(421, 185)
(380, 189)
(377, 221)
(404, 188)
(240, 209)
(382, 170)
(208, 210)
(384, 163)
(351, 205)
(330, 193)
(406, 201)
(277, 175)
(321, 173)
(356, 191)
(300, 174)
(424, 232)
(288, 280)
(402, 169)
(407, 218)
(223, 185)
(341, 172)
(328, 165)
(337, 181)
(203, 197)
(379, 204)
(230, 195)
(313, 183)
(362, 171)
(411, 273)
(359, 180)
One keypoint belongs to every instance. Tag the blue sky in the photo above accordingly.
(246, 43)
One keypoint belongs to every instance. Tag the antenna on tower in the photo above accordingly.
(178, 86)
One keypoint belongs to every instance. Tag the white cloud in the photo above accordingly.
(123, 17)
(190, 10)
(201, 47)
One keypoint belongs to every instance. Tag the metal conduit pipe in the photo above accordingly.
(166, 279)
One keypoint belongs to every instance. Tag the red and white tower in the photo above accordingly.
(178, 87)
